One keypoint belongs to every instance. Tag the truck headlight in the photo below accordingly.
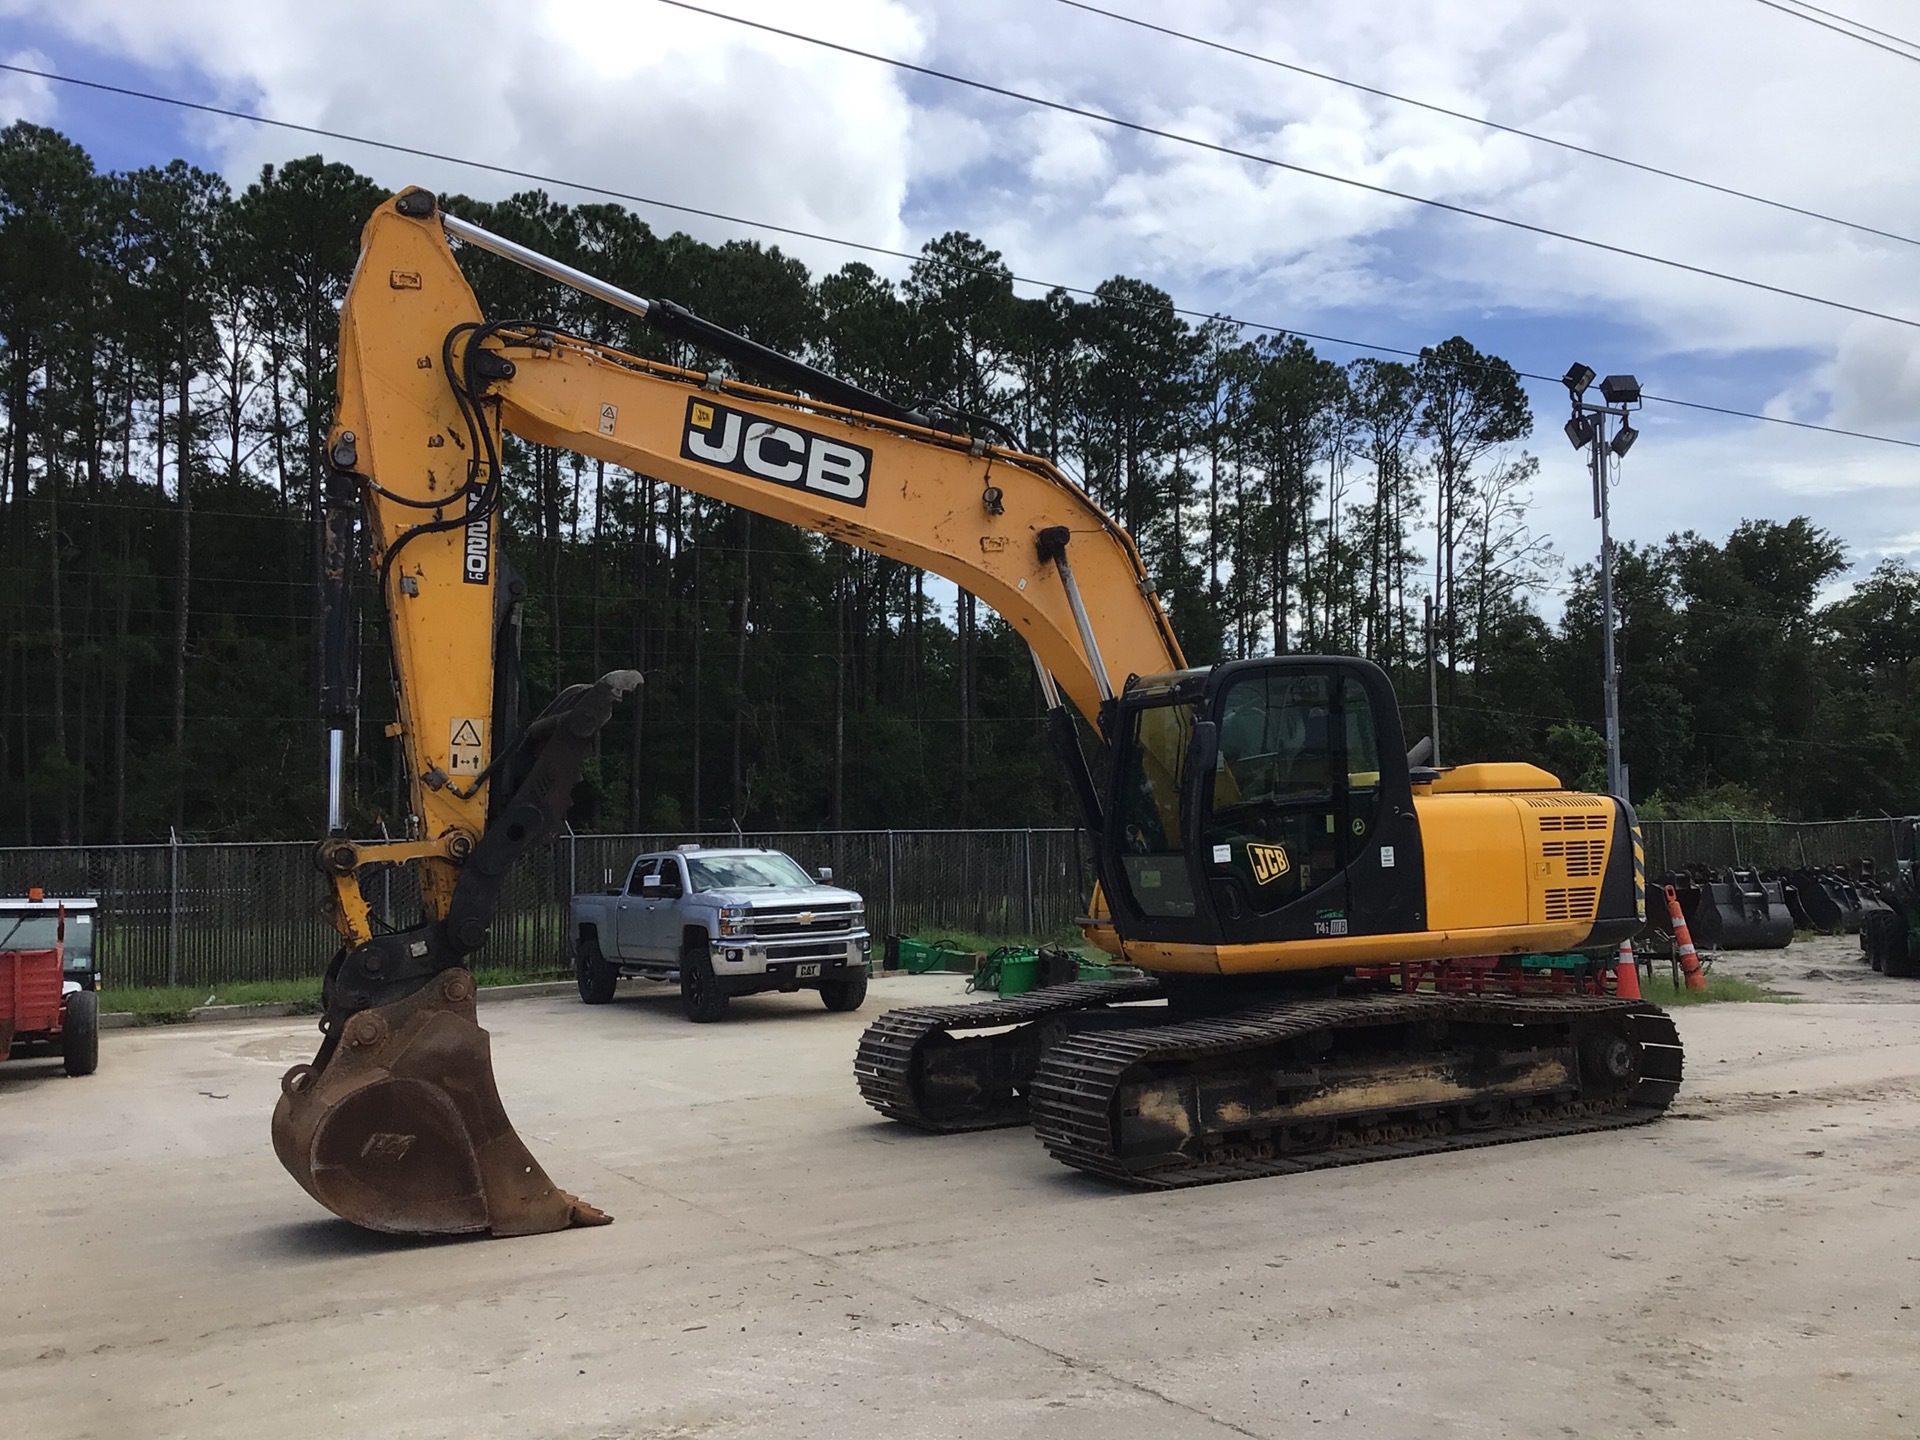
(736, 920)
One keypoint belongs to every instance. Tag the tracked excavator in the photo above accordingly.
(1322, 921)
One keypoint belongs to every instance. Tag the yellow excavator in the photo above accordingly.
(1323, 921)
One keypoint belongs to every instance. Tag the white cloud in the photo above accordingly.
(625, 94)
(642, 97)
(27, 97)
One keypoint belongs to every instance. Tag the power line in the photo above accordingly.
(1214, 147)
(1481, 120)
(1838, 30)
(865, 247)
(1883, 34)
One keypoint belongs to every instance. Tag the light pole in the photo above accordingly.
(1588, 430)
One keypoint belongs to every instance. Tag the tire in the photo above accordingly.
(597, 978)
(1896, 953)
(700, 993)
(80, 1033)
(848, 994)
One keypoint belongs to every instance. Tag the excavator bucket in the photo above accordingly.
(397, 1126)
(1741, 911)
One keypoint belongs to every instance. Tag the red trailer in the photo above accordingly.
(49, 984)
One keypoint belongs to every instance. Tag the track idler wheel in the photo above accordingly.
(398, 1126)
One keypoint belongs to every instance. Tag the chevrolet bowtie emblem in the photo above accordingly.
(806, 917)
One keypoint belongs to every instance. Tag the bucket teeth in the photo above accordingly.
(397, 1126)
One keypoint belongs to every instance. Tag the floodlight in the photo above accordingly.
(1623, 439)
(1580, 431)
(1620, 390)
(1578, 379)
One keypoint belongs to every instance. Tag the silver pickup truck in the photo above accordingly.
(723, 923)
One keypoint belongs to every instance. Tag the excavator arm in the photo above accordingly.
(396, 1123)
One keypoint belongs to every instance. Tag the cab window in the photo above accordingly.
(1153, 861)
(1363, 766)
(1298, 770)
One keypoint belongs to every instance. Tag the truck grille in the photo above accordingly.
(807, 950)
(800, 920)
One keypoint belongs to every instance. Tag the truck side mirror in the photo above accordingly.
(826, 874)
(650, 882)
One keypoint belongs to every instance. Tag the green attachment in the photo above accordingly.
(1019, 972)
(1010, 970)
(920, 957)
(1091, 971)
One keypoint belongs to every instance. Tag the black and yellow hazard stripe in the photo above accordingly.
(1639, 871)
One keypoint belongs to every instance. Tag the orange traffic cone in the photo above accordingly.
(1689, 957)
(1626, 974)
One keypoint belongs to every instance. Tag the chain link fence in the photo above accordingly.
(212, 914)
(1768, 844)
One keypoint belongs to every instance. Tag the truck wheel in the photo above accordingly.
(80, 1032)
(597, 978)
(848, 994)
(1896, 956)
(700, 993)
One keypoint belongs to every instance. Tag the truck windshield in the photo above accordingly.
(746, 872)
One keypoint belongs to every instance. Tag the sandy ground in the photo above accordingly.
(784, 1264)
(1824, 968)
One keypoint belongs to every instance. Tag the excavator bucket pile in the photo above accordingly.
(1726, 910)
(401, 1128)
(1748, 913)
(1830, 899)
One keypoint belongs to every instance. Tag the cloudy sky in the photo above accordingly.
(641, 97)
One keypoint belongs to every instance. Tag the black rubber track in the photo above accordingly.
(1072, 1102)
(884, 1064)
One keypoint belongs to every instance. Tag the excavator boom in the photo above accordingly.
(396, 1123)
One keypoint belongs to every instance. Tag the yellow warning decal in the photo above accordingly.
(467, 746)
(1269, 862)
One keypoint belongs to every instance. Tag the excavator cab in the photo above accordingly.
(1262, 800)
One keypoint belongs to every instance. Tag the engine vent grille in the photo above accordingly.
(1592, 821)
(1582, 857)
(1573, 903)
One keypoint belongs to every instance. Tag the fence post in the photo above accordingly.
(173, 906)
(573, 862)
(1029, 880)
(893, 914)
(1733, 829)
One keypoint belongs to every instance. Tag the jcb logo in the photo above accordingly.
(748, 445)
(1269, 862)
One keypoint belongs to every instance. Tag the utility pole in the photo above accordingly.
(1610, 667)
(1588, 429)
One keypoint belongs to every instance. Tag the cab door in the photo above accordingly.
(1275, 812)
(1308, 831)
(662, 923)
(631, 926)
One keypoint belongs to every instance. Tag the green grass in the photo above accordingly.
(1661, 991)
(163, 1002)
